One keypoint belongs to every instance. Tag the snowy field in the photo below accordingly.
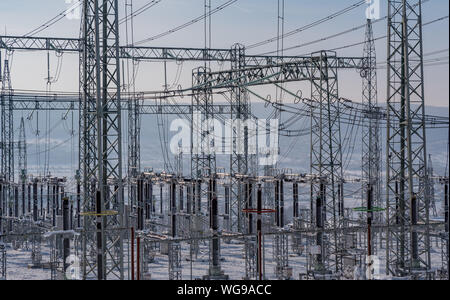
(233, 262)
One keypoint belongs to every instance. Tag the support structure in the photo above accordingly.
(7, 134)
(101, 140)
(239, 140)
(203, 158)
(22, 145)
(326, 149)
(371, 149)
(408, 249)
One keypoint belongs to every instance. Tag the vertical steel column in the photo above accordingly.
(134, 117)
(406, 154)
(35, 200)
(371, 150)
(203, 154)
(140, 203)
(66, 227)
(326, 146)
(295, 200)
(7, 130)
(22, 151)
(161, 203)
(320, 255)
(16, 201)
(239, 143)
(227, 208)
(259, 234)
(101, 137)
(181, 198)
(173, 208)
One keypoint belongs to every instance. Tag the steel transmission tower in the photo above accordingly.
(7, 136)
(408, 248)
(326, 152)
(101, 141)
(239, 142)
(371, 158)
(203, 158)
(7, 125)
(134, 117)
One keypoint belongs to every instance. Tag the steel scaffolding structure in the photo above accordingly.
(203, 158)
(239, 143)
(22, 151)
(326, 150)
(408, 249)
(101, 140)
(7, 134)
(371, 145)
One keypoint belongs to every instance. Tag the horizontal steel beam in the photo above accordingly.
(71, 45)
(292, 71)
(29, 102)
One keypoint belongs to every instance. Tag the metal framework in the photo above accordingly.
(101, 104)
(7, 135)
(22, 151)
(408, 249)
(203, 158)
(239, 140)
(101, 140)
(2, 261)
(72, 45)
(371, 145)
(326, 149)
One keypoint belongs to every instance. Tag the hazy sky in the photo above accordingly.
(246, 22)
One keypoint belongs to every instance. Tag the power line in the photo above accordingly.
(191, 22)
(326, 38)
(349, 31)
(384, 36)
(139, 11)
(311, 25)
(54, 20)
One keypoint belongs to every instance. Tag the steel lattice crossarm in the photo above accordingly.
(12, 43)
(128, 52)
(178, 54)
(29, 102)
(298, 70)
(39, 43)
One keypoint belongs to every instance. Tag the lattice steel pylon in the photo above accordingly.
(203, 157)
(101, 141)
(406, 203)
(371, 150)
(326, 150)
(134, 117)
(7, 135)
(7, 121)
(239, 141)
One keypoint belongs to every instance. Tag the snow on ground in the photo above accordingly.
(233, 262)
